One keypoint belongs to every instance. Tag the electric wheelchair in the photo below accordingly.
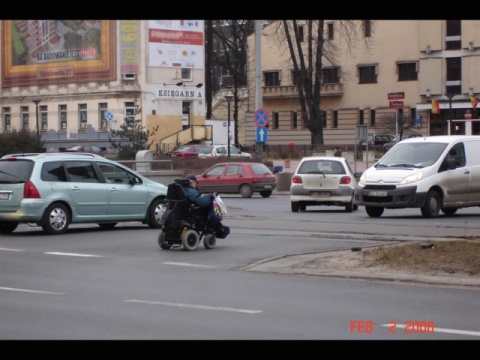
(185, 224)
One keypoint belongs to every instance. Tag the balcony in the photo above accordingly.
(291, 91)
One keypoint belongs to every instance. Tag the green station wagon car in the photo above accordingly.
(54, 190)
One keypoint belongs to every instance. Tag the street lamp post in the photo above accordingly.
(38, 132)
(228, 98)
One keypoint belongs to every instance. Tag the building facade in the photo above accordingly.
(74, 81)
(407, 64)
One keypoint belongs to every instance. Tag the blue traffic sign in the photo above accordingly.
(261, 134)
(261, 117)
(109, 116)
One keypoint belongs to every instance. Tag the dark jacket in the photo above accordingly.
(197, 198)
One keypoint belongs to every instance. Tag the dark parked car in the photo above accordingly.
(92, 149)
(390, 144)
(375, 140)
(242, 178)
(187, 151)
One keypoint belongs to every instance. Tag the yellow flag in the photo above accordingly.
(435, 107)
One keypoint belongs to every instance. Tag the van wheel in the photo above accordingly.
(449, 211)
(432, 205)
(374, 211)
(56, 219)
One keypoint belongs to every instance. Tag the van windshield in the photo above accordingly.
(412, 155)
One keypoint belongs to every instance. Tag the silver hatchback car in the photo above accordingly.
(54, 190)
(323, 180)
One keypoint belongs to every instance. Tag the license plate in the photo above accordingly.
(320, 193)
(4, 196)
(267, 186)
(377, 193)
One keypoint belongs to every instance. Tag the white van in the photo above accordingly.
(431, 173)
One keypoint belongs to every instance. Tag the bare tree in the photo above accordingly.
(230, 42)
(310, 50)
(390, 123)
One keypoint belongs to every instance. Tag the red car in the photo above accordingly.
(187, 151)
(242, 178)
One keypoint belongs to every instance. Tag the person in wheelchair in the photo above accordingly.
(203, 201)
(204, 204)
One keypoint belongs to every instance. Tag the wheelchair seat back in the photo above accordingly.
(178, 201)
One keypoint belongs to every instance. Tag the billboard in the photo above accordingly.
(43, 52)
(176, 43)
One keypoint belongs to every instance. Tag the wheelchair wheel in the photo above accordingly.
(190, 240)
(209, 241)
(161, 241)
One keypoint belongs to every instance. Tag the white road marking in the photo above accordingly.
(31, 291)
(187, 264)
(203, 307)
(441, 330)
(5, 249)
(71, 254)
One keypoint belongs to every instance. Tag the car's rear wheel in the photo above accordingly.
(56, 219)
(295, 206)
(349, 206)
(246, 191)
(157, 209)
(303, 207)
(209, 241)
(266, 194)
(190, 240)
(6, 227)
(373, 211)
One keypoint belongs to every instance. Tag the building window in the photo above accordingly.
(6, 119)
(301, 33)
(44, 117)
(102, 115)
(407, 71)
(186, 74)
(453, 40)
(454, 75)
(82, 115)
(25, 117)
(335, 119)
(186, 115)
(367, 74)
(129, 112)
(294, 120)
(274, 120)
(323, 116)
(296, 76)
(62, 109)
(361, 117)
(272, 78)
(372, 117)
(367, 28)
(330, 75)
(330, 31)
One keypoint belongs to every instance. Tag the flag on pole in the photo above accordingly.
(474, 101)
(435, 107)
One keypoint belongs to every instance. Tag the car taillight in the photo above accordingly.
(345, 180)
(30, 191)
(296, 180)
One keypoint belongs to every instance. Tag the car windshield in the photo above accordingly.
(205, 150)
(321, 167)
(412, 155)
